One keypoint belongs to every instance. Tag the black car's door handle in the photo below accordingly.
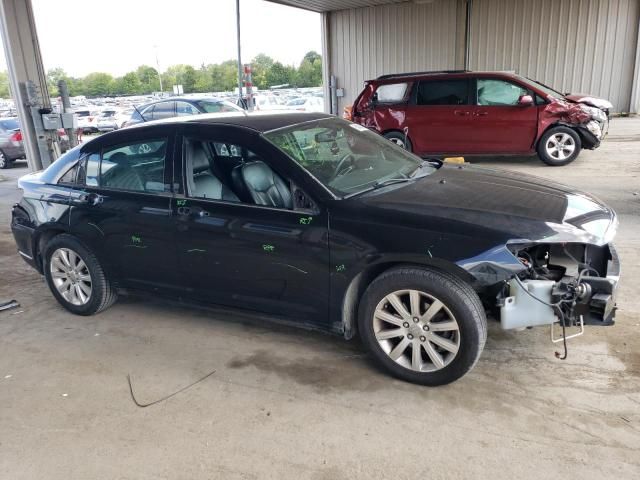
(192, 212)
(184, 211)
(91, 198)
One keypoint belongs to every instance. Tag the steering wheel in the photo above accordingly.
(340, 168)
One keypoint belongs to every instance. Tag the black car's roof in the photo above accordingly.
(258, 121)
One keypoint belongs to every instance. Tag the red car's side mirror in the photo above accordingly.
(525, 100)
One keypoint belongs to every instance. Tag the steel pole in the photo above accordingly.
(239, 52)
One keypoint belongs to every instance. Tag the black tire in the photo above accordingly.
(543, 144)
(459, 299)
(102, 295)
(399, 139)
(5, 162)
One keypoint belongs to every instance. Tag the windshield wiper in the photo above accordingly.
(380, 184)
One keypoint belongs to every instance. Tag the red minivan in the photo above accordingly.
(463, 112)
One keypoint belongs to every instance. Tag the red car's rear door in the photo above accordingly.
(499, 123)
(439, 116)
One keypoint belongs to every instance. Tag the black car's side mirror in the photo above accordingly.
(302, 202)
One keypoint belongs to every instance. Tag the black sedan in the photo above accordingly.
(317, 221)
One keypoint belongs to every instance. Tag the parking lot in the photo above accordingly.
(283, 403)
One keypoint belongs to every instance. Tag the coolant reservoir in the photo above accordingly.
(521, 310)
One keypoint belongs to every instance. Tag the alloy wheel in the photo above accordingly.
(3, 160)
(70, 276)
(416, 330)
(560, 146)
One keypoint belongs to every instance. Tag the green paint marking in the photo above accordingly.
(306, 220)
(136, 239)
(340, 268)
(181, 203)
(268, 248)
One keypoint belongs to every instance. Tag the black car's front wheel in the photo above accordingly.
(423, 326)
(75, 277)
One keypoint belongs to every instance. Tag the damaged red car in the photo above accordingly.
(481, 113)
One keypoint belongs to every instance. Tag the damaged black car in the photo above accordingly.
(321, 223)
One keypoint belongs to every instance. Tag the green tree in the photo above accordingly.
(260, 66)
(149, 79)
(54, 75)
(280, 74)
(189, 78)
(309, 73)
(129, 84)
(5, 91)
(98, 84)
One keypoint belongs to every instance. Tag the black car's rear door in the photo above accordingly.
(122, 207)
(233, 252)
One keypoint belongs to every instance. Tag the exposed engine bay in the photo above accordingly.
(567, 283)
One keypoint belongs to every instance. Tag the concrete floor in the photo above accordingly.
(284, 403)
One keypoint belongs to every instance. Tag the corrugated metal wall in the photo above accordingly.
(367, 42)
(586, 46)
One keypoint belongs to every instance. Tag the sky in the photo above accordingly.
(116, 36)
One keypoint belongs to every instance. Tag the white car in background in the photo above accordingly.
(306, 104)
(113, 119)
(87, 120)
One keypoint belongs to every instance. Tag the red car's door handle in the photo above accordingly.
(462, 113)
(479, 114)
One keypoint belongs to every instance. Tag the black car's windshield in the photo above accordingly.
(347, 158)
(545, 88)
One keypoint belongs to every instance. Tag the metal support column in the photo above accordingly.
(239, 51)
(27, 79)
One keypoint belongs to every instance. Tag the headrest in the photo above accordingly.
(199, 159)
(258, 176)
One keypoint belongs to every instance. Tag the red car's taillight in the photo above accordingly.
(16, 137)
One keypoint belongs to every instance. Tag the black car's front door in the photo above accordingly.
(269, 258)
(122, 209)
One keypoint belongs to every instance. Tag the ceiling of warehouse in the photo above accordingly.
(330, 5)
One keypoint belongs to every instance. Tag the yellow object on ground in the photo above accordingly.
(454, 160)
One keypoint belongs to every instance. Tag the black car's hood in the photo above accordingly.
(519, 207)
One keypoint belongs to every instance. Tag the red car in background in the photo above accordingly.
(463, 112)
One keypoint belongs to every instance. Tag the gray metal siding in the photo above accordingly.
(586, 46)
(367, 42)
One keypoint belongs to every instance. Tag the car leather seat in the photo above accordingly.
(204, 184)
(262, 185)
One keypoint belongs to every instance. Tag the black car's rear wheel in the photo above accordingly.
(75, 277)
(423, 326)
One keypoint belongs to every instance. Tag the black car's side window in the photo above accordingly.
(443, 92)
(164, 110)
(137, 167)
(89, 170)
(218, 170)
(184, 108)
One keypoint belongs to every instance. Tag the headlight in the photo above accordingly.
(594, 127)
(595, 113)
